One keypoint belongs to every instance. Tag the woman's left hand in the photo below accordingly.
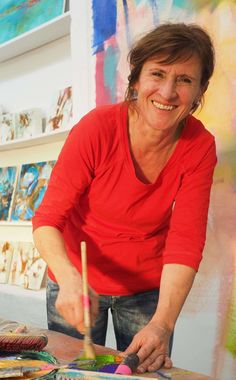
(151, 344)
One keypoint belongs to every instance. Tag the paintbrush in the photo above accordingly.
(89, 352)
(17, 342)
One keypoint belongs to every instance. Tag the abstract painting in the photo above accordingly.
(115, 26)
(28, 123)
(60, 114)
(6, 252)
(27, 267)
(31, 186)
(7, 182)
(20, 16)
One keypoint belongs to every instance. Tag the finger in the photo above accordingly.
(168, 362)
(158, 363)
(81, 328)
(133, 347)
(152, 363)
(149, 360)
(144, 352)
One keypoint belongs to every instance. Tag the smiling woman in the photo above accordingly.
(133, 180)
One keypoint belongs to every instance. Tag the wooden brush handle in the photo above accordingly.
(86, 301)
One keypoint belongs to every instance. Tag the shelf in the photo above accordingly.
(15, 223)
(44, 138)
(45, 33)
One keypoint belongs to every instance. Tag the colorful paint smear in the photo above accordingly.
(7, 181)
(31, 187)
(20, 16)
(111, 44)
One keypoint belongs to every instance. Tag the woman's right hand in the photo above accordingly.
(69, 302)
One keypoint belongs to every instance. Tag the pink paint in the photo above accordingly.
(123, 369)
(86, 301)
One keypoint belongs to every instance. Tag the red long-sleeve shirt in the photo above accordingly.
(131, 228)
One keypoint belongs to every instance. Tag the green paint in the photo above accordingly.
(230, 339)
(38, 355)
(94, 365)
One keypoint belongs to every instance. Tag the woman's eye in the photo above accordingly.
(184, 80)
(158, 74)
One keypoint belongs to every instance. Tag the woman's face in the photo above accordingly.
(166, 92)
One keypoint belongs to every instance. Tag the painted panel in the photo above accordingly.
(20, 16)
(7, 183)
(31, 186)
(116, 24)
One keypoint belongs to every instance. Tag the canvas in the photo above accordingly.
(8, 176)
(60, 113)
(27, 267)
(6, 253)
(20, 16)
(31, 186)
(28, 123)
(7, 127)
(211, 305)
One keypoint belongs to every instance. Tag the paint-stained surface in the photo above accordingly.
(214, 289)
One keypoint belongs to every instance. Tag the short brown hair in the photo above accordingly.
(174, 42)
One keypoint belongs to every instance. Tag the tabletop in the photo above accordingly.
(66, 349)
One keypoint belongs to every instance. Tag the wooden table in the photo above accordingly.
(66, 349)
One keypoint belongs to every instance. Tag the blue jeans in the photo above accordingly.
(129, 315)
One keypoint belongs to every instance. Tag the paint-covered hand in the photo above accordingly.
(69, 302)
(151, 344)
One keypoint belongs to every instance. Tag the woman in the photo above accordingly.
(133, 180)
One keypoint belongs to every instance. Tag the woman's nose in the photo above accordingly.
(168, 89)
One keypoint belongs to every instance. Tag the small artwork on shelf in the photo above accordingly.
(20, 16)
(7, 127)
(6, 253)
(8, 177)
(27, 267)
(31, 186)
(60, 114)
(28, 123)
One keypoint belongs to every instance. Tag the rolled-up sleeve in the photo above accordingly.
(187, 232)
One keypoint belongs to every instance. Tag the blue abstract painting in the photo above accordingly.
(31, 186)
(20, 16)
(7, 181)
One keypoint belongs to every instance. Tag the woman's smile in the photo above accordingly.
(161, 106)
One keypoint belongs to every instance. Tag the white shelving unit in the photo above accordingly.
(32, 64)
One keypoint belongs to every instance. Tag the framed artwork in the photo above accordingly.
(27, 267)
(28, 123)
(6, 253)
(20, 16)
(8, 176)
(31, 186)
(60, 113)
